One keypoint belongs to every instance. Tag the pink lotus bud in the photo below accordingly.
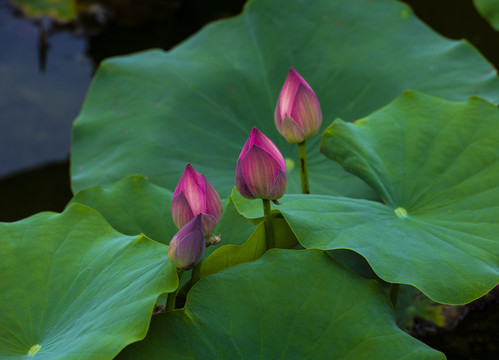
(188, 245)
(260, 169)
(298, 113)
(195, 195)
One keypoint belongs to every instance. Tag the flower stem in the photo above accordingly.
(196, 270)
(269, 229)
(394, 293)
(170, 301)
(302, 155)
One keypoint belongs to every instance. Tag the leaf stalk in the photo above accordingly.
(302, 155)
(172, 297)
(269, 228)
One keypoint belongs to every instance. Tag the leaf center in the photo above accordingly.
(34, 349)
(400, 212)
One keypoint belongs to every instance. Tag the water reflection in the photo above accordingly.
(46, 66)
(43, 81)
(45, 71)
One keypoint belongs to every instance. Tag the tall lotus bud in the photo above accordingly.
(298, 113)
(188, 245)
(195, 195)
(260, 169)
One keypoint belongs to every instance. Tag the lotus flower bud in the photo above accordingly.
(188, 245)
(195, 195)
(298, 113)
(260, 169)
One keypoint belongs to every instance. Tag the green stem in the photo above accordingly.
(195, 275)
(170, 301)
(394, 294)
(302, 155)
(269, 229)
(196, 270)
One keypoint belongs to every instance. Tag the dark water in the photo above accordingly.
(37, 108)
(44, 76)
(45, 71)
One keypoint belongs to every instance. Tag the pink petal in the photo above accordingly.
(192, 185)
(213, 203)
(291, 131)
(297, 77)
(209, 223)
(288, 94)
(249, 143)
(279, 186)
(307, 111)
(266, 144)
(288, 91)
(181, 210)
(241, 183)
(259, 170)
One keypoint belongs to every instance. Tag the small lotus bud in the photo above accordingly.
(188, 245)
(195, 195)
(298, 113)
(260, 169)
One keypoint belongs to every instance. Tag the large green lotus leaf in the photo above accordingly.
(286, 305)
(252, 249)
(152, 112)
(74, 288)
(435, 163)
(489, 10)
(62, 10)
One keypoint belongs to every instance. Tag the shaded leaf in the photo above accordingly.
(412, 303)
(489, 10)
(232, 228)
(252, 249)
(133, 206)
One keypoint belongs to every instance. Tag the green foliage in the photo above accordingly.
(197, 103)
(435, 164)
(75, 287)
(252, 249)
(250, 209)
(489, 10)
(133, 206)
(233, 228)
(319, 310)
(82, 288)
